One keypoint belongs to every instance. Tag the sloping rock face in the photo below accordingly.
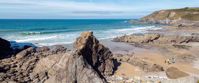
(184, 16)
(174, 73)
(19, 68)
(89, 63)
(98, 56)
(4, 48)
(157, 39)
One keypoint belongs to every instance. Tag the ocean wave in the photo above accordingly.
(35, 39)
(27, 33)
(55, 43)
(112, 33)
(69, 37)
(31, 33)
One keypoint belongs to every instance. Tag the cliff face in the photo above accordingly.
(185, 16)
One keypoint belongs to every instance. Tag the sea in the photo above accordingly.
(48, 32)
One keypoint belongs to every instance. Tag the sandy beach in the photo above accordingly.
(156, 53)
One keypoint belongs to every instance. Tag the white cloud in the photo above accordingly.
(64, 6)
(85, 8)
(60, 8)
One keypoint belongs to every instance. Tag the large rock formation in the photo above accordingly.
(98, 56)
(90, 62)
(185, 16)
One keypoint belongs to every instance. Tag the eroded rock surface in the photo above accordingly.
(157, 38)
(98, 56)
(19, 68)
(90, 62)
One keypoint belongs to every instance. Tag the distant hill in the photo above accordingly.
(186, 16)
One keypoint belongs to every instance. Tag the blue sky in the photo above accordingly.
(76, 9)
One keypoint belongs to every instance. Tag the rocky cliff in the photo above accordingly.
(184, 16)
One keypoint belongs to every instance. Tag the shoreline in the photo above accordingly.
(69, 37)
(150, 61)
(162, 47)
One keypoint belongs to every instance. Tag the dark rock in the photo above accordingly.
(4, 44)
(5, 48)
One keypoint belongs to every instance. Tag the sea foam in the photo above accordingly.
(52, 32)
(69, 37)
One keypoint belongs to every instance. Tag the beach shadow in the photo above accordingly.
(116, 64)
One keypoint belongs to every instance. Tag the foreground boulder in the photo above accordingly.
(89, 63)
(98, 56)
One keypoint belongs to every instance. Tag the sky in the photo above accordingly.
(86, 9)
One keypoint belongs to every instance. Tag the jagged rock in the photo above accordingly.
(174, 73)
(98, 56)
(80, 71)
(88, 63)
